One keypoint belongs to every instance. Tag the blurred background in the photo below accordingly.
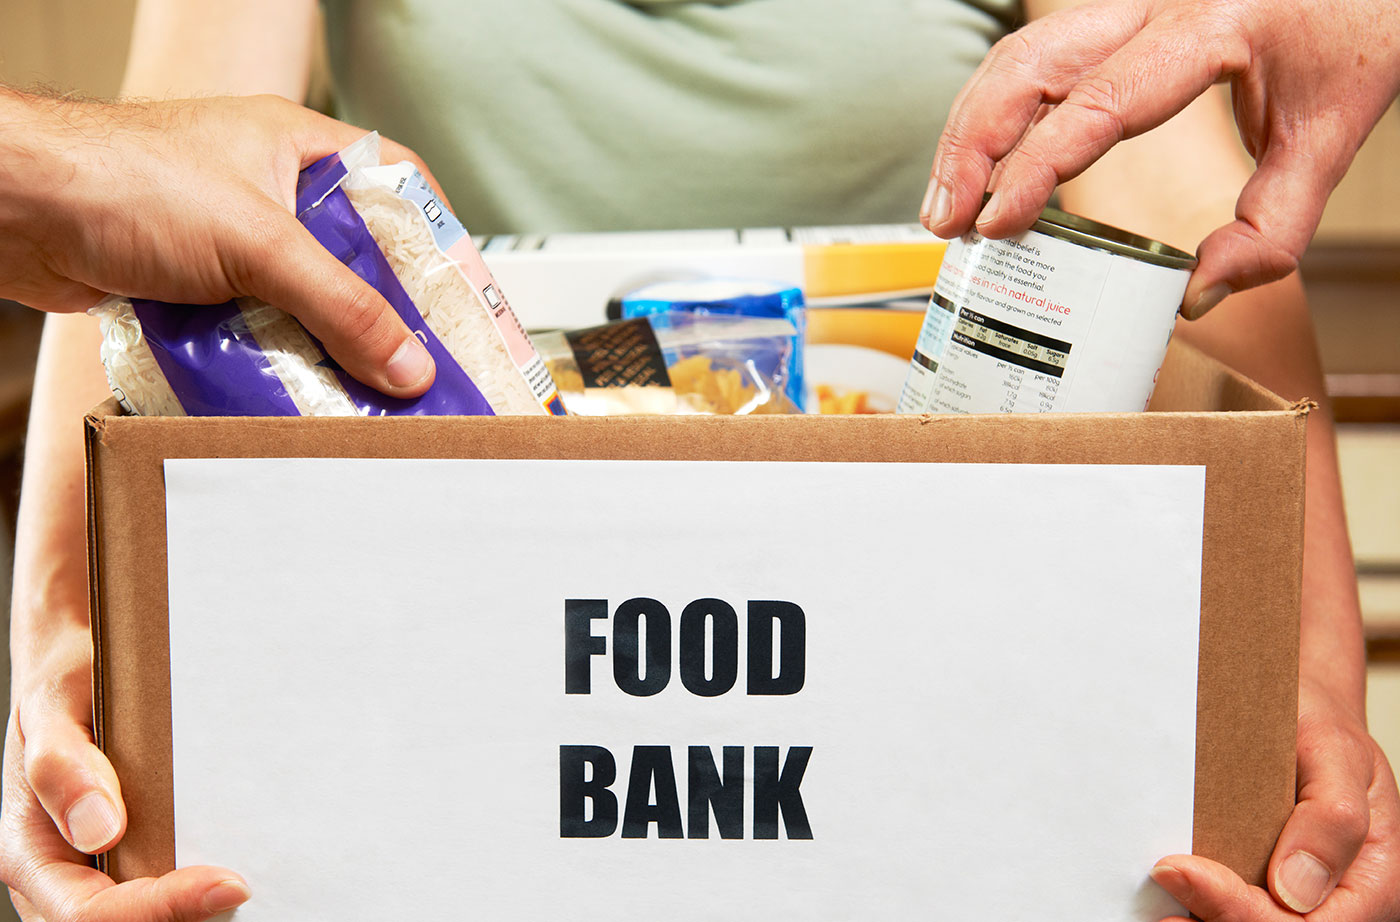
(1352, 273)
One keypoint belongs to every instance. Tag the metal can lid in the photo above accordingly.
(1089, 233)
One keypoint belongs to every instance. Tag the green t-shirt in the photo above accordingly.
(566, 115)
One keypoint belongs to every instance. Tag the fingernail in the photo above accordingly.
(989, 211)
(942, 205)
(1302, 882)
(937, 207)
(225, 895)
(92, 822)
(410, 365)
(1172, 881)
(1207, 300)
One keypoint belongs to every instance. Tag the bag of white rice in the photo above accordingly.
(246, 358)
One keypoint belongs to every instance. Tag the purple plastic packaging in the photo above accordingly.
(216, 367)
(211, 361)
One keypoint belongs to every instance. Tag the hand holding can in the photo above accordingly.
(1069, 316)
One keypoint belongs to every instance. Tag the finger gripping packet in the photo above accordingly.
(247, 358)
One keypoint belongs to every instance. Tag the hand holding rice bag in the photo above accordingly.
(673, 363)
(248, 358)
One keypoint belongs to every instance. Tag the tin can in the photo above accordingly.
(1070, 316)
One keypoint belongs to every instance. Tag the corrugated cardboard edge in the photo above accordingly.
(1254, 457)
(99, 707)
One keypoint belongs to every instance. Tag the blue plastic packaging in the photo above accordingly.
(735, 297)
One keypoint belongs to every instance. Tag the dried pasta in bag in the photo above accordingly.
(249, 358)
(736, 298)
(673, 363)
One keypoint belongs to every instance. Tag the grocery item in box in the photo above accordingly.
(737, 297)
(673, 363)
(1069, 316)
(246, 358)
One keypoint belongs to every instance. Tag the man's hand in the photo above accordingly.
(1310, 79)
(62, 802)
(191, 202)
(1338, 857)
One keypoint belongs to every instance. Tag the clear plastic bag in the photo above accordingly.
(737, 298)
(673, 362)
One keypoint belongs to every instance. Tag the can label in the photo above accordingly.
(1037, 324)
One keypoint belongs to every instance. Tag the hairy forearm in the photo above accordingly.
(55, 166)
(50, 604)
(17, 153)
(30, 168)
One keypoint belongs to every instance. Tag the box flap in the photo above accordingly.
(1191, 380)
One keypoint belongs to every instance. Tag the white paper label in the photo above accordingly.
(605, 690)
(1036, 324)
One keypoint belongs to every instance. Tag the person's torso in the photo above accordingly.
(551, 115)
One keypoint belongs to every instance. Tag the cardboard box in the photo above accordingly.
(1250, 442)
